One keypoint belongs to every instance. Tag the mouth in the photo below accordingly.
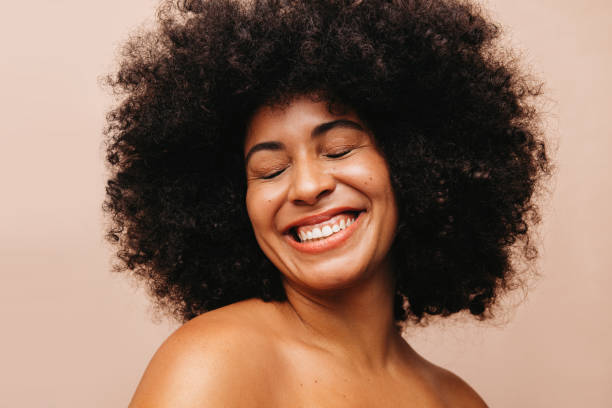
(314, 237)
(322, 230)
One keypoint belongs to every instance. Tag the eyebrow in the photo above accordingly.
(317, 131)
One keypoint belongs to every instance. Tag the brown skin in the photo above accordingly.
(333, 343)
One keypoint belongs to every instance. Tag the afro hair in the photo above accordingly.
(451, 109)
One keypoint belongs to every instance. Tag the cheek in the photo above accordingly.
(262, 202)
(370, 174)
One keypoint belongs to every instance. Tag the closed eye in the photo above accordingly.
(336, 155)
(272, 175)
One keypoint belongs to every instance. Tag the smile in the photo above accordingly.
(324, 235)
(325, 229)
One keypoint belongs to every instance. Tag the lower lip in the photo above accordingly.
(331, 242)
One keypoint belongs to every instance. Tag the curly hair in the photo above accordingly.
(453, 112)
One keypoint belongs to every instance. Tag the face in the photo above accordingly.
(318, 195)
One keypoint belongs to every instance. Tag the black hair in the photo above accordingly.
(453, 112)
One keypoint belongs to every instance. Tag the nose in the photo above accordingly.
(309, 183)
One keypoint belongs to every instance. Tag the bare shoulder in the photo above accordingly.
(454, 391)
(458, 392)
(220, 358)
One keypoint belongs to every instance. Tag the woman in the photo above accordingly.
(388, 154)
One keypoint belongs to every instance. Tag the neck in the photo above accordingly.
(355, 323)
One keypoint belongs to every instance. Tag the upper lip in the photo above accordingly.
(320, 217)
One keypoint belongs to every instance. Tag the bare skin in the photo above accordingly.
(333, 342)
(256, 354)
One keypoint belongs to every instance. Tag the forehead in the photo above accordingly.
(296, 119)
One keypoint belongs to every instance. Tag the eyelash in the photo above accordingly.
(337, 155)
(331, 156)
(271, 176)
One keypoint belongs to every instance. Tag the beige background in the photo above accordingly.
(75, 335)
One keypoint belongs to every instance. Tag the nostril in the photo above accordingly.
(323, 193)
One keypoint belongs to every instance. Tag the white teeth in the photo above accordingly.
(325, 231)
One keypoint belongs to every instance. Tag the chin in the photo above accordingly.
(330, 275)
